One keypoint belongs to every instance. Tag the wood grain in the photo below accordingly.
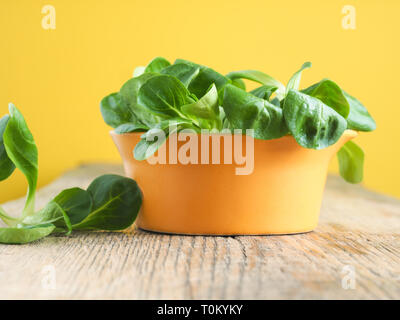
(358, 229)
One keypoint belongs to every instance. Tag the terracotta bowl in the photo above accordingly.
(282, 195)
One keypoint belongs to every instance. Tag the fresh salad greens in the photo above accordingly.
(111, 202)
(196, 97)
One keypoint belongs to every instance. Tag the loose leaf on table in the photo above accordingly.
(22, 151)
(129, 93)
(205, 110)
(69, 207)
(259, 77)
(75, 202)
(351, 162)
(183, 71)
(246, 111)
(115, 111)
(116, 203)
(8, 220)
(312, 123)
(157, 64)
(7, 167)
(330, 93)
(164, 95)
(359, 118)
(50, 214)
(26, 234)
(294, 81)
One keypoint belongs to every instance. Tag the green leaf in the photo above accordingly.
(312, 123)
(130, 127)
(294, 81)
(178, 61)
(153, 139)
(69, 207)
(276, 102)
(50, 214)
(264, 92)
(351, 162)
(206, 77)
(184, 72)
(246, 111)
(76, 203)
(157, 64)
(22, 151)
(259, 77)
(330, 93)
(146, 147)
(239, 83)
(206, 108)
(116, 203)
(138, 71)
(10, 221)
(359, 118)
(7, 167)
(164, 95)
(115, 111)
(24, 234)
(129, 93)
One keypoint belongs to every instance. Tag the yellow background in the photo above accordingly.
(58, 77)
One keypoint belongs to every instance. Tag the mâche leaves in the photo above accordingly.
(157, 64)
(206, 77)
(351, 162)
(294, 81)
(130, 127)
(164, 95)
(116, 203)
(111, 202)
(129, 93)
(264, 92)
(259, 77)
(115, 111)
(246, 111)
(359, 117)
(153, 139)
(26, 234)
(183, 71)
(7, 167)
(206, 109)
(185, 93)
(22, 151)
(10, 221)
(312, 123)
(329, 93)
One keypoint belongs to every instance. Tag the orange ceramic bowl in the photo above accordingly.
(282, 195)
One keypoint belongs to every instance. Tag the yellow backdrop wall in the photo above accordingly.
(58, 77)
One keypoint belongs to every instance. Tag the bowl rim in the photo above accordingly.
(347, 132)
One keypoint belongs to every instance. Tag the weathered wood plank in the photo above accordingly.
(358, 229)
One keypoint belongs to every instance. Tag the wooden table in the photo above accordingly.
(353, 254)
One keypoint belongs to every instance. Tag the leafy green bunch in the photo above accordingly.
(196, 97)
(111, 202)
